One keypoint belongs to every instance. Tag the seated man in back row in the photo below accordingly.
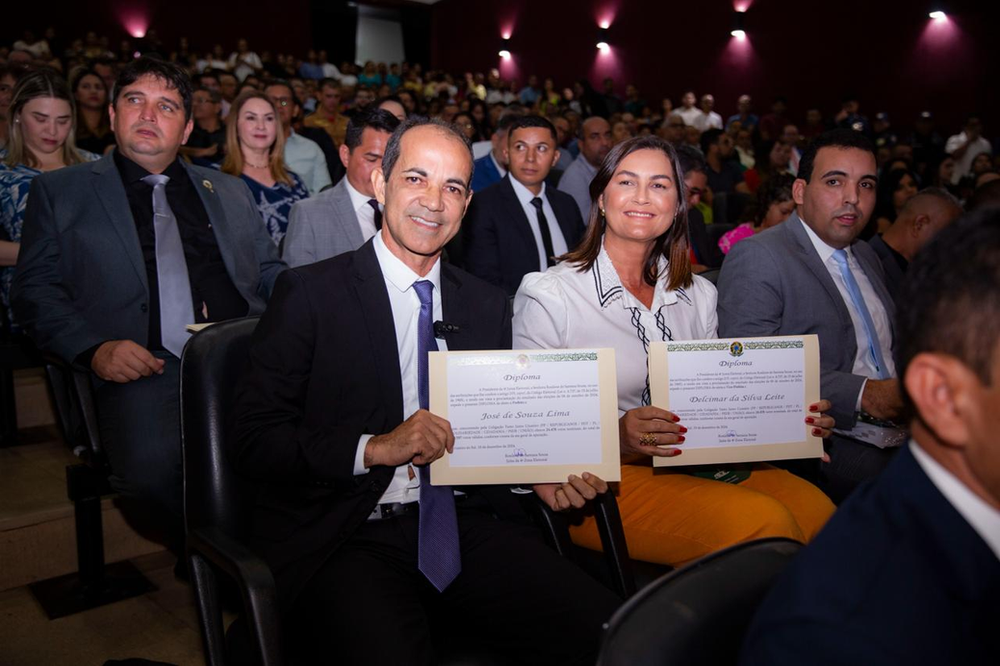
(907, 572)
(332, 421)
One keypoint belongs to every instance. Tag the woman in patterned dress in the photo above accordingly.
(42, 121)
(255, 146)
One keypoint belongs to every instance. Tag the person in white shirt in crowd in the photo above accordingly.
(965, 146)
(688, 111)
(243, 62)
(302, 155)
(708, 119)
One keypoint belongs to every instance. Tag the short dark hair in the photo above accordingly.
(950, 306)
(279, 82)
(391, 154)
(985, 196)
(523, 122)
(213, 95)
(328, 82)
(835, 138)
(172, 74)
(709, 138)
(379, 120)
(690, 159)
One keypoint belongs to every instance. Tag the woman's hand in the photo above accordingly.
(576, 492)
(822, 424)
(644, 430)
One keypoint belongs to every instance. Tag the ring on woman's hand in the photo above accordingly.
(647, 438)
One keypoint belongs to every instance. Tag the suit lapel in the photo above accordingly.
(221, 225)
(111, 193)
(373, 299)
(519, 220)
(343, 209)
(794, 227)
(452, 310)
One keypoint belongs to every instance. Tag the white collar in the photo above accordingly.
(982, 517)
(399, 274)
(500, 168)
(524, 195)
(357, 199)
(825, 251)
(609, 286)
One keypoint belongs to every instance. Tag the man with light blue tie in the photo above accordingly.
(810, 275)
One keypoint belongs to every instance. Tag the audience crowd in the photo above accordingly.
(563, 217)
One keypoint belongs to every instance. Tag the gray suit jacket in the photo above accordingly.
(894, 274)
(321, 227)
(81, 277)
(775, 284)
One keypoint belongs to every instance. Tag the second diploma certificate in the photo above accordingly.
(742, 400)
(528, 416)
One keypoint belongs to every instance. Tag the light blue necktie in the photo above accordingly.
(438, 554)
(874, 348)
(176, 303)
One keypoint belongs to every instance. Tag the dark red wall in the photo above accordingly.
(887, 51)
(278, 27)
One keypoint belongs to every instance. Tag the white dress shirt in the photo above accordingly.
(306, 158)
(982, 517)
(525, 196)
(405, 304)
(864, 365)
(564, 308)
(963, 165)
(363, 210)
(690, 116)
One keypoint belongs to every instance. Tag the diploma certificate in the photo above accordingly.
(528, 416)
(742, 399)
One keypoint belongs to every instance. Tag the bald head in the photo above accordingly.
(595, 140)
(921, 218)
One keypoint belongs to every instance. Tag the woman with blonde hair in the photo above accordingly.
(255, 145)
(42, 121)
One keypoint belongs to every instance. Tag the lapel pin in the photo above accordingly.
(207, 184)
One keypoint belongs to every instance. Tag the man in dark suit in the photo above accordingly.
(520, 225)
(921, 218)
(492, 167)
(810, 275)
(331, 422)
(907, 572)
(119, 256)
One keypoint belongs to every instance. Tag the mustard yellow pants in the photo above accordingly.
(673, 518)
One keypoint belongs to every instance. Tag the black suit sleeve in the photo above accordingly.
(41, 299)
(482, 248)
(271, 439)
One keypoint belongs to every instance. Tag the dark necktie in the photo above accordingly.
(176, 307)
(378, 214)
(438, 555)
(543, 228)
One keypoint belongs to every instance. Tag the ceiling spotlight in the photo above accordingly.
(602, 39)
(739, 29)
(938, 15)
(505, 48)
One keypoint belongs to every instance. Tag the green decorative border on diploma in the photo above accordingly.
(514, 359)
(724, 346)
(775, 344)
(697, 346)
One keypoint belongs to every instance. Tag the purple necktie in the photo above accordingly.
(438, 555)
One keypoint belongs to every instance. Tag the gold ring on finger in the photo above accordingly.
(647, 438)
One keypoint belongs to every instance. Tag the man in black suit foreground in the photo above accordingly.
(908, 569)
(331, 421)
(519, 225)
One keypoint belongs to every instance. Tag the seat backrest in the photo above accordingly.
(211, 365)
(698, 614)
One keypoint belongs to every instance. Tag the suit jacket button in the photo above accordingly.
(144, 307)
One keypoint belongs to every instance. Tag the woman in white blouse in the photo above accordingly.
(627, 284)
